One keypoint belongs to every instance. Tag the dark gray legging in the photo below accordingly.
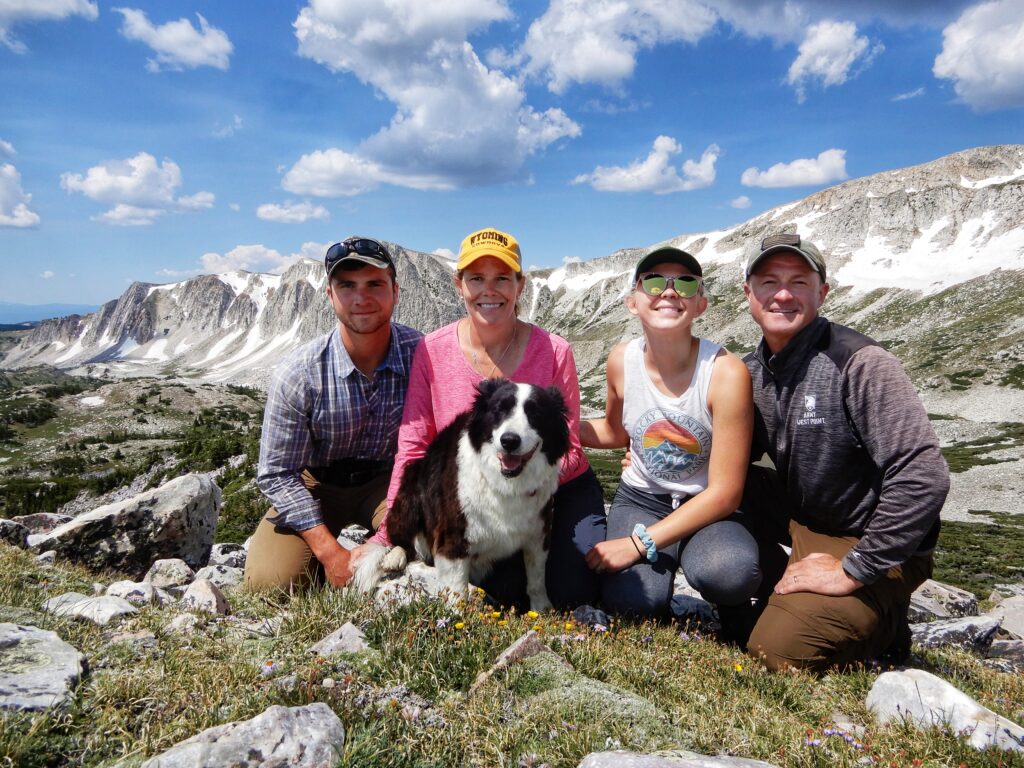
(720, 560)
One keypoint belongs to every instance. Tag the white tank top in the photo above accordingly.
(669, 437)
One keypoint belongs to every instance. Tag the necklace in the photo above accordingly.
(501, 357)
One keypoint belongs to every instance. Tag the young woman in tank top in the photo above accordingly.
(669, 392)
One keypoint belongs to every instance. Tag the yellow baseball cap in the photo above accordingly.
(490, 242)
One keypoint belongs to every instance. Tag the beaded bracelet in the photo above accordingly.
(640, 531)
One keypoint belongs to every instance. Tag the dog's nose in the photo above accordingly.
(510, 441)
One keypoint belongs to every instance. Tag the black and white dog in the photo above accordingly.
(482, 492)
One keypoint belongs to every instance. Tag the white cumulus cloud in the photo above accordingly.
(177, 44)
(656, 173)
(226, 131)
(740, 202)
(140, 189)
(251, 258)
(17, 11)
(983, 54)
(827, 167)
(828, 53)
(6, 149)
(597, 41)
(47, 274)
(457, 122)
(909, 94)
(292, 213)
(14, 201)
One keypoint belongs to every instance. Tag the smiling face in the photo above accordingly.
(668, 310)
(785, 294)
(490, 289)
(362, 299)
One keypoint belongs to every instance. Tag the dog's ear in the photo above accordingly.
(556, 436)
(486, 387)
(556, 394)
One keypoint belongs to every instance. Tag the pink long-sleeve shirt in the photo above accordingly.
(442, 384)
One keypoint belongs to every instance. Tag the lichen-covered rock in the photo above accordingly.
(348, 638)
(934, 600)
(139, 593)
(13, 533)
(38, 670)
(224, 576)
(1010, 615)
(169, 572)
(203, 595)
(973, 633)
(671, 759)
(231, 555)
(175, 520)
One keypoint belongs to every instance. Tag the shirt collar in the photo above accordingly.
(795, 349)
(392, 360)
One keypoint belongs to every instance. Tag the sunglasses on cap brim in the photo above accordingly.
(654, 284)
(363, 246)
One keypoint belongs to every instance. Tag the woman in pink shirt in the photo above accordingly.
(491, 342)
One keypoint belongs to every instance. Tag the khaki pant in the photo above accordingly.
(279, 558)
(803, 630)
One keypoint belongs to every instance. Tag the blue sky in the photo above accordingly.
(155, 141)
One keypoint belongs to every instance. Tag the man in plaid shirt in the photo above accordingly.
(331, 425)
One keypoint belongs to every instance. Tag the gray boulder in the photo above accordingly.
(38, 670)
(301, 737)
(934, 600)
(1010, 615)
(14, 533)
(169, 572)
(42, 522)
(973, 633)
(671, 759)
(175, 520)
(926, 700)
(98, 610)
(1006, 655)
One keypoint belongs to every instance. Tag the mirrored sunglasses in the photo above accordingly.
(684, 285)
(364, 246)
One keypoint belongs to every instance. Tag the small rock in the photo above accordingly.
(1010, 615)
(231, 555)
(346, 639)
(98, 589)
(47, 558)
(14, 533)
(934, 600)
(328, 682)
(42, 522)
(928, 701)
(223, 576)
(138, 592)
(98, 610)
(203, 595)
(670, 759)
(171, 572)
(1009, 654)
(973, 633)
(526, 646)
(184, 624)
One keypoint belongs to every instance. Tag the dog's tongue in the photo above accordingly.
(510, 462)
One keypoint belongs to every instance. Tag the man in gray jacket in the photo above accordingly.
(859, 480)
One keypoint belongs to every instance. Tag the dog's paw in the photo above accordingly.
(394, 561)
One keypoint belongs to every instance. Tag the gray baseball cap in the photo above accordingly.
(791, 243)
(668, 254)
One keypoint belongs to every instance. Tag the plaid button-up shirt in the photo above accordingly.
(321, 408)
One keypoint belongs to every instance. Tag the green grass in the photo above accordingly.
(977, 556)
(709, 698)
(963, 455)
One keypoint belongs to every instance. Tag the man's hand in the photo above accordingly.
(818, 573)
(336, 560)
(612, 556)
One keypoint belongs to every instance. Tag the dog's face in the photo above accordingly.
(514, 422)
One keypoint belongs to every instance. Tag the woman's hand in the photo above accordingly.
(614, 555)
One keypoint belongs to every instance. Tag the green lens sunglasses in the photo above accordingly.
(684, 285)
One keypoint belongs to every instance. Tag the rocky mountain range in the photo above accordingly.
(928, 259)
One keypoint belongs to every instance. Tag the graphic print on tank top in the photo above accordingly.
(675, 446)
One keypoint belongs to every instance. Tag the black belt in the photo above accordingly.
(346, 473)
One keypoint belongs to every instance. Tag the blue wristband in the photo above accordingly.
(640, 531)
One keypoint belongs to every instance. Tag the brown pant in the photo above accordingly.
(279, 558)
(804, 630)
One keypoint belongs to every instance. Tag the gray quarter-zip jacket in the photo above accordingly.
(852, 444)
